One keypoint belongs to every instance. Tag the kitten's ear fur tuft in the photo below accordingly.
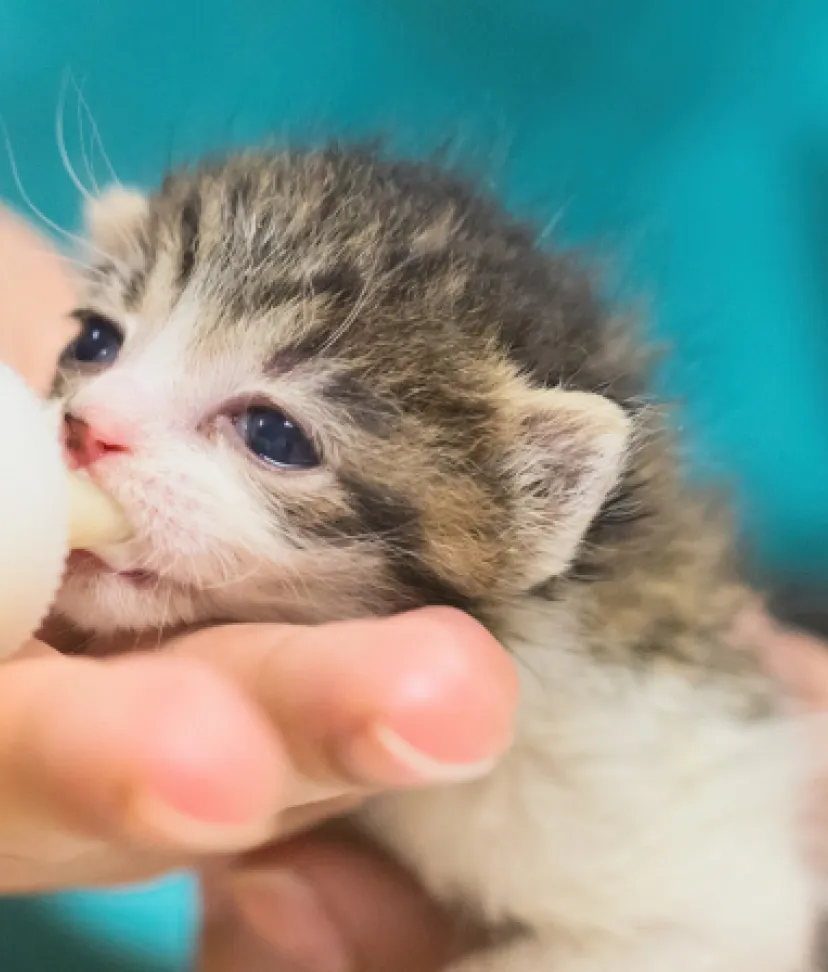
(570, 457)
(113, 219)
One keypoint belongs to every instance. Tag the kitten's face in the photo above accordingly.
(293, 377)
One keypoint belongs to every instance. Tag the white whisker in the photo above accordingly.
(78, 241)
(97, 140)
(51, 224)
(61, 142)
(86, 156)
(353, 313)
(231, 581)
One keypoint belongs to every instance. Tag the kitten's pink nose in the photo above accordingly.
(83, 445)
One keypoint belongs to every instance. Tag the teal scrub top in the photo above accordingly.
(685, 142)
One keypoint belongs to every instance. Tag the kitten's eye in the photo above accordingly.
(98, 343)
(272, 436)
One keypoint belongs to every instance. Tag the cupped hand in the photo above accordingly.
(113, 770)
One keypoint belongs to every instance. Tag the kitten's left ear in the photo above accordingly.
(114, 218)
(570, 457)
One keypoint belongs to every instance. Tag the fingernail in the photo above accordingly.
(156, 822)
(284, 910)
(381, 755)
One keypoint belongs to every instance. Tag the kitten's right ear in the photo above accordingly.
(114, 218)
(571, 453)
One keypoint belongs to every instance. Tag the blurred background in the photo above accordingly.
(684, 142)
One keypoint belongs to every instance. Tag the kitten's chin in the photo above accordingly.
(106, 602)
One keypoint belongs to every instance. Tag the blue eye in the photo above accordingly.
(98, 343)
(273, 437)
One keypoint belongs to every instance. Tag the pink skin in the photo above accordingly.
(84, 446)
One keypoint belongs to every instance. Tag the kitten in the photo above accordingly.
(327, 385)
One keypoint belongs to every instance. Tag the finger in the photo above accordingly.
(798, 660)
(227, 943)
(416, 698)
(801, 664)
(36, 297)
(157, 754)
(326, 905)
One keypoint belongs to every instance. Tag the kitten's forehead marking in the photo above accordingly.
(189, 235)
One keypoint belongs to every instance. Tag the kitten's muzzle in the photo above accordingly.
(84, 444)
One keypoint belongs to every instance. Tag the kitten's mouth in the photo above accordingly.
(84, 563)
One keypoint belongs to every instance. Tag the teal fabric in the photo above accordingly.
(687, 141)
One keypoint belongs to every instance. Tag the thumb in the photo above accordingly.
(105, 767)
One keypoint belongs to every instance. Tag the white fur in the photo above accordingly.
(635, 826)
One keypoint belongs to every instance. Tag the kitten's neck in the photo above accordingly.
(672, 598)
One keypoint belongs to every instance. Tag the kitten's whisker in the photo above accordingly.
(290, 579)
(97, 140)
(78, 241)
(21, 189)
(86, 156)
(386, 534)
(83, 645)
(355, 310)
(61, 142)
(309, 324)
(81, 265)
(165, 613)
(85, 268)
(232, 581)
(360, 302)
(301, 578)
(552, 224)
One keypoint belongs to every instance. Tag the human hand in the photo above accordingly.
(798, 660)
(115, 770)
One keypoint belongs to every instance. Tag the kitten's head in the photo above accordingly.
(324, 385)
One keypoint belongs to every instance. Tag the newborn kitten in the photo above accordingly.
(325, 385)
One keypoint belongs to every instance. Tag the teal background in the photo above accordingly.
(687, 141)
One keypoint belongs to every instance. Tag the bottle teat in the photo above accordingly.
(94, 517)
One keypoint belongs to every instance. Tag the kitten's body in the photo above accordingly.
(486, 442)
